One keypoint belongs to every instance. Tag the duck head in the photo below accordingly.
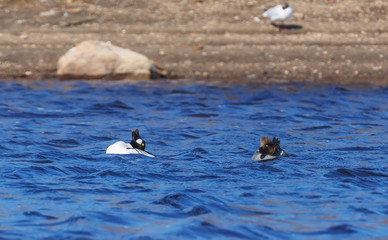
(137, 142)
(285, 5)
(268, 146)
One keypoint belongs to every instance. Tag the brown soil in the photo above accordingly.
(340, 41)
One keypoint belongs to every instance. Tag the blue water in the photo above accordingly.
(57, 182)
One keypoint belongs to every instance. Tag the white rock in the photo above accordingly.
(93, 59)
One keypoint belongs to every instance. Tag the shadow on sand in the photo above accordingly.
(287, 26)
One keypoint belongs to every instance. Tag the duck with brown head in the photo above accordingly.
(269, 150)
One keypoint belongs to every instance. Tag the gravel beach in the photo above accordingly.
(327, 41)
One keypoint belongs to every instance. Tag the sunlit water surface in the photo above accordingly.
(57, 181)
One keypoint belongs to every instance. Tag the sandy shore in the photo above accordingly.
(329, 41)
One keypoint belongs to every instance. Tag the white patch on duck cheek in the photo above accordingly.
(139, 141)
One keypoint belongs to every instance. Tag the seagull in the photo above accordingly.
(278, 13)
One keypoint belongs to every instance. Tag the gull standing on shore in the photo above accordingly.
(278, 13)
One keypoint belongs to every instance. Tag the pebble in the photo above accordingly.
(23, 36)
(47, 13)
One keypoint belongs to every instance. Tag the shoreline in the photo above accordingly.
(39, 84)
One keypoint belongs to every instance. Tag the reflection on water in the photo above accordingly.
(58, 181)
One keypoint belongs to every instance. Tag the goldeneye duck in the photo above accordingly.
(136, 146)
(269, 150)
(278, 13)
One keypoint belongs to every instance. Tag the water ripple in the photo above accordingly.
(57, 181)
